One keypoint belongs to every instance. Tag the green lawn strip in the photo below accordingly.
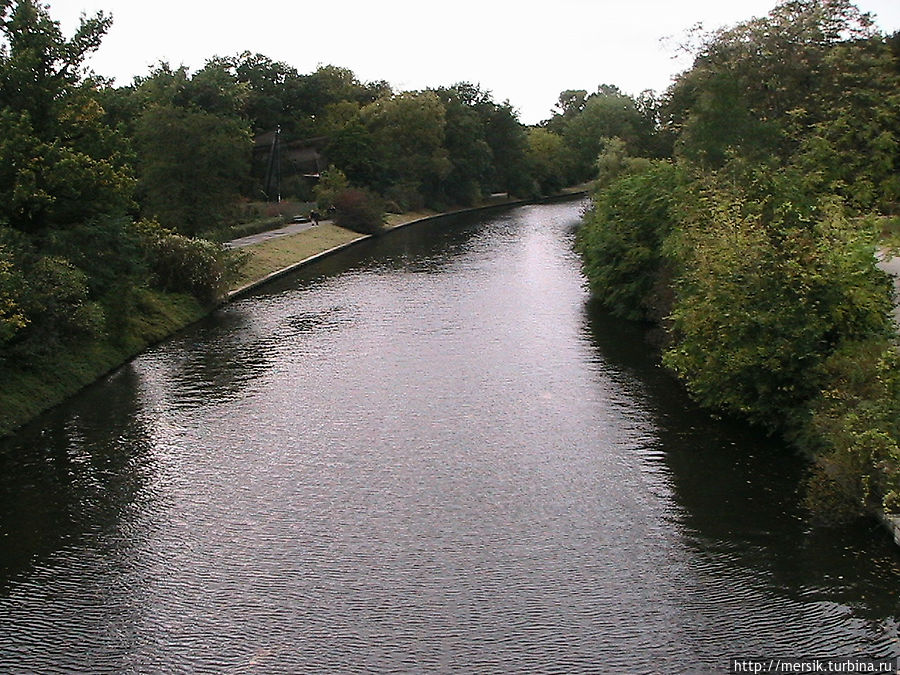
(275, 254)
(398, 219)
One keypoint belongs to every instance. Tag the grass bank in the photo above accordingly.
(276, 254)
(61, 372)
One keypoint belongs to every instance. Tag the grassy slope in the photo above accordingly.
(26, 392)
(275, 254)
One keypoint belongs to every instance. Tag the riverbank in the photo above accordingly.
(29, 392)
(272, 257)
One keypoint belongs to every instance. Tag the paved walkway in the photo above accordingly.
(271, 234)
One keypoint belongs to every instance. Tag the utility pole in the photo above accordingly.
(273, 171)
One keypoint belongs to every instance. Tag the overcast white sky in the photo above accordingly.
(519, 50)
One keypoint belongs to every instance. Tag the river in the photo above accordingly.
(428, 453)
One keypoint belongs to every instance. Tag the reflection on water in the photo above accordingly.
(66, 482)
(429, 453)
(724, 473)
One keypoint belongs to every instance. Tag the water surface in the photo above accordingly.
(430, 453)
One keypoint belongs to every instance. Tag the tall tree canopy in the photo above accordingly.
(59, 162)
(193, 143)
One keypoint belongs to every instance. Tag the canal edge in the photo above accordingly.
(253, 285)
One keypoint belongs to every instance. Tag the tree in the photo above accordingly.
(63, 177)
(465, 139)
(351, 146)
(548, 159)
(508, 142)
(854, 149)
(332, 84)
(606, 114)
(408, 130)
(39, 68)
(751, 85)
(274, 91)
(194, 147)
(59, 162)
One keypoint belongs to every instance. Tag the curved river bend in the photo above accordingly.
(429, 453)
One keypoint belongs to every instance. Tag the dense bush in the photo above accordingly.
(12, 316)
(187, 265)
(57, 300)
(855, 429)
(621, 239)
(766, 290)
(405, 197)
(332, 182)
(108, 249)
(359, 210)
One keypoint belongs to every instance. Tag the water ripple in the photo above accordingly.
(438, 459)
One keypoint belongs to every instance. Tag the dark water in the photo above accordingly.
(427, 454)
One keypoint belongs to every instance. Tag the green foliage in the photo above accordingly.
(59, 162)
(465, 138)
(621, 239)
(548, 159)
(351, 148)
(109, 249)
(855, 428)
(810, 76)
(12, 316)
(614, 161)
(604, 116)
(193, 163)
(213, 89)
(57, 300)
(39, 68)
(273, 90)
(568, 106)
(588, 122)
(359, 210)
(330, 185)
(332, 84)
(409, 131)
(790, 125)
(853, 149)
(767, 289)
(509, 147)
(183, 264)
